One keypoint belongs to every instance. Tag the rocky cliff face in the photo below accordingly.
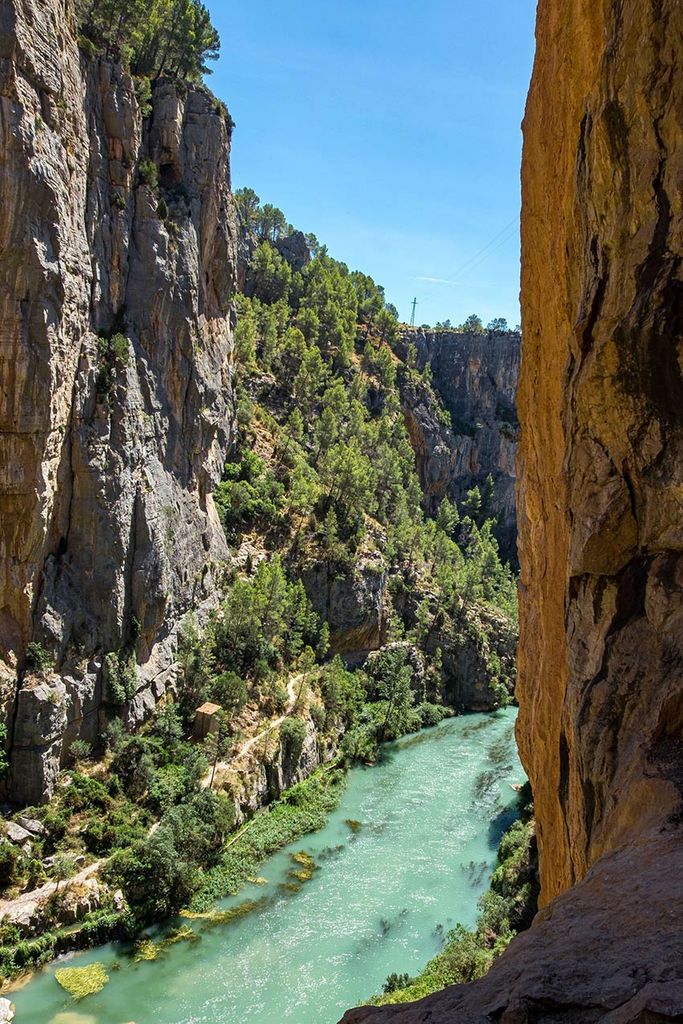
(601, 533)
(115, 378)
(475, 376)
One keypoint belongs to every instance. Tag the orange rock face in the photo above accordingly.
(601, 404)
(600, 506)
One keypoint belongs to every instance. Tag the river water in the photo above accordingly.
(402, 860)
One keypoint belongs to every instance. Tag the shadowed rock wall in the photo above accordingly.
(109, 453)
(475, 376)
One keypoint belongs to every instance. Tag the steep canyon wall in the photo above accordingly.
(116, 405)
(475, 377)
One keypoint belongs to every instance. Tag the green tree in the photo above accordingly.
(168, 724)
(447, 517)
(471, 506)
(271, 223)
(292, 736)
(499, 325)
(247, 203)
(173, 37)
(473, 324)
(229, 690)
(218, 743)
(270, 276)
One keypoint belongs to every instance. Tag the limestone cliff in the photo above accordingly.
(601, 532)
(117, 269)
(475, 376)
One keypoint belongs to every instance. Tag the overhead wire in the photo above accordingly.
(476, 260)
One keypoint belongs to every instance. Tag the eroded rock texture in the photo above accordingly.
(601, 402)
(601, 530)
(475, 376)
(109, 451)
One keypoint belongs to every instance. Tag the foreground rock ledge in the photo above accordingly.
(610, 950)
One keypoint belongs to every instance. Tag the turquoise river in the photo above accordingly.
(425, 824)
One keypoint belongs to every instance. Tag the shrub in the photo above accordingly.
(318, 715)
(80, 750)
(249, 494)
(120, 677)
(114, 735)
(143, 94)
(149, 173)
(87, 47)
(115, 830)
(10, 864)
(395, 981)
(292, 736)
(84, 792)
(431, 714)
(229, 690)
(38, 657)
(112, 352)
(119, 348)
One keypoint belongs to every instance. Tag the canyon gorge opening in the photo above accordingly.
(253, 529)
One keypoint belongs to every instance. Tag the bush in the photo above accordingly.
(112, 352)
(229, 690)
(80, 750)
(115, 830)
(249, 494)
(318, 715)
(395, 981)
(149, 173)
(143, 94)
(120, 677)
(292, 736)
(11, 861)
(83, 793)
(431, 714)
(119, 348)
(114, 735)
(38, 658)
(87, 47)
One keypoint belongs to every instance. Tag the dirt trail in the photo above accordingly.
(24, 907)
(247, 745)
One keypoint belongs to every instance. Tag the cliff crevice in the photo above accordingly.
(117, 276)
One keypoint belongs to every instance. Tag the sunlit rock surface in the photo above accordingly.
(108, 532)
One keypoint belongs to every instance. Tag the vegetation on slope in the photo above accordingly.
(152, 38)
(321, 488)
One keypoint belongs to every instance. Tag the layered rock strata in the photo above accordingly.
(117, 271)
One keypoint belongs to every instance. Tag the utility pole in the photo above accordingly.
(412, 315)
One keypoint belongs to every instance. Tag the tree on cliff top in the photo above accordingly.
(153, 38)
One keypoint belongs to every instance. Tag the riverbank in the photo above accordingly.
(303, 809)
(402, 858)
(506, 908)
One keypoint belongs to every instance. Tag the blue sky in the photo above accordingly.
(392, 131)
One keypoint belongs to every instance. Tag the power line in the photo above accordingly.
(475, 260)
(412, 315)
